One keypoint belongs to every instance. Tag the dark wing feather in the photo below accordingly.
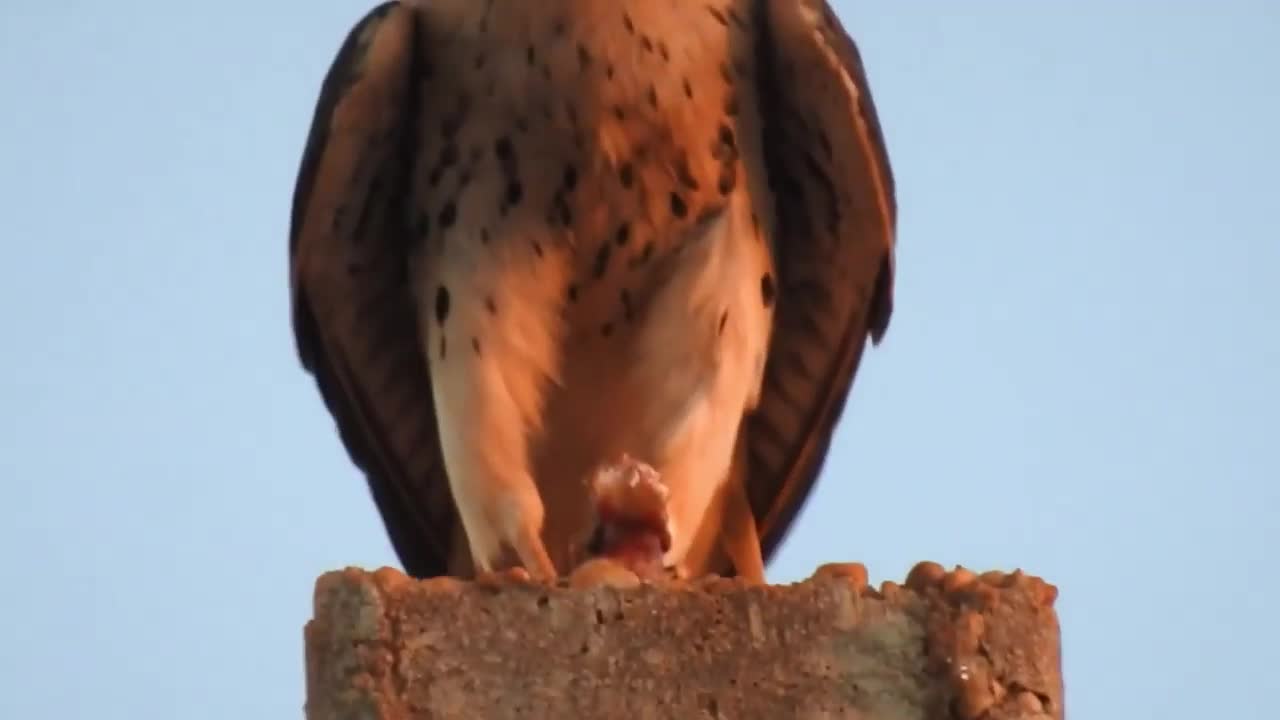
(830, 174)
(354, 317)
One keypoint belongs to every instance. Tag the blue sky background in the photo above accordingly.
(1081, 378)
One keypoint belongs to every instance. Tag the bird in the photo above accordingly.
(530, 238)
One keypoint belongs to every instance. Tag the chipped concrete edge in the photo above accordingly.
(352, 613)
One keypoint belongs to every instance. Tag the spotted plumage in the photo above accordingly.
(655, 233)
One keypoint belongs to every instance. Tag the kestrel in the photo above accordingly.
(529, 238)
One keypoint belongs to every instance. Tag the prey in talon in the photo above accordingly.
(632, 528)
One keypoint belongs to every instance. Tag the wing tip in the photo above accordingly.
(881, 310)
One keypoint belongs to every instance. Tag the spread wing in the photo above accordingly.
(354, 317)
(830, 174)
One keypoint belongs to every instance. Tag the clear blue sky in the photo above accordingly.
(1082, 377)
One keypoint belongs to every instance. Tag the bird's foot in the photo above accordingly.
(533, 555)
(501, 578)
(632, 526)
(507, 542)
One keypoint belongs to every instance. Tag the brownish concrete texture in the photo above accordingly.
(944, 645)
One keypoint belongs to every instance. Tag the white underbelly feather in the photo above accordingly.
(670, 389)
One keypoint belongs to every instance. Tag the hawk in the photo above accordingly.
(528, 238)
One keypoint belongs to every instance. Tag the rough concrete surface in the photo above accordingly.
(942, 645)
